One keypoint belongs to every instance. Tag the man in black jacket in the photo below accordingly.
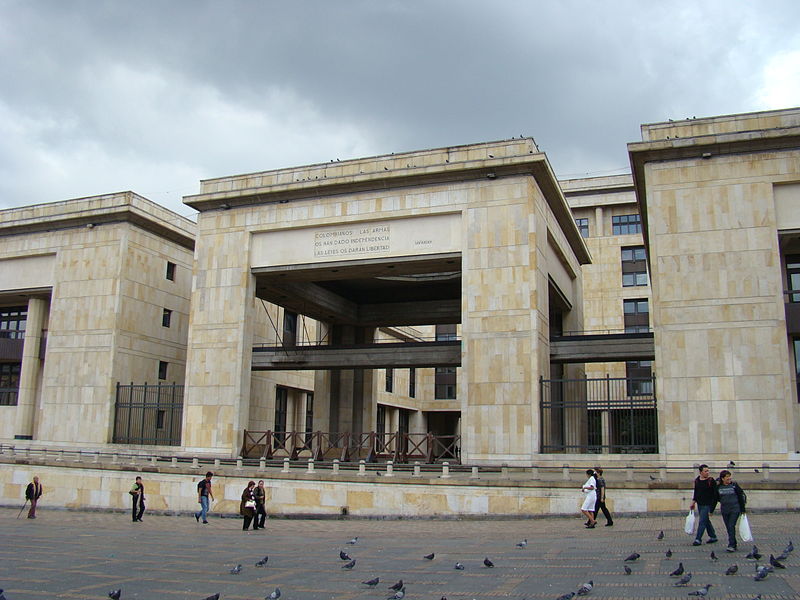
(705, 498)
(32, 493)
(137, 500)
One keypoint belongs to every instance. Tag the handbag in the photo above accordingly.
(688, 526)
(744, 529)
(250, 504)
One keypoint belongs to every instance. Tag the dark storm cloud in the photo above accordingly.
(152, 96)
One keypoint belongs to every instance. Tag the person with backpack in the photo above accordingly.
(732, 501)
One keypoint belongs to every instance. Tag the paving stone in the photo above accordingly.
(84, 555)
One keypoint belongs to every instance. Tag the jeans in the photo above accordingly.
(705, 523)
(730, 519)
(203, 508)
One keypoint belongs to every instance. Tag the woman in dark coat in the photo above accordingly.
(247, 508)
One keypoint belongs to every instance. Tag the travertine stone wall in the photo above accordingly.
(718, 307)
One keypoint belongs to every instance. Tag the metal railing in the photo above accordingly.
(400, 447)
(148, 414)
(604, 415)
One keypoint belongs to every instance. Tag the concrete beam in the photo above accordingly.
(615, 347)
(367, 356)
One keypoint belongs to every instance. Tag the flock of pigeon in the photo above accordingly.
(761, 571)
(399, 588)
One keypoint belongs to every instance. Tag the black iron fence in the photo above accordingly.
(611, 414)
(148, 414)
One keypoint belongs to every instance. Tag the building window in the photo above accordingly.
(636, 315)
(583, 227)
(289, 329)
(793, 276)
(389, 379)
(445, 383)
(309, 416)
(166, 318)
(162, 369)
(446, 333)
(380, 428)
(12, 323)
(160, 414)
(9, 383)
(171, 271)
(625, 224)
(634, 266)
(795, 343)
(639, 374)
(281, 411)
(412, 383)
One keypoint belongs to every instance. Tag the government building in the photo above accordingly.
(458, 304)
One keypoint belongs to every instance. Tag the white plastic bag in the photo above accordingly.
(688, 527)
(744, 529)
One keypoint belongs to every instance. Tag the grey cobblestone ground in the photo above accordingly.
(83, 555)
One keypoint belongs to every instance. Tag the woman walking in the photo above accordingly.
(247, 507)
(590, 489)
(732, 500)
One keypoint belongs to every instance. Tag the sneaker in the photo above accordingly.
(712, 541)
(730, 549)
(205, 522)
(696, 543)
(196, 517)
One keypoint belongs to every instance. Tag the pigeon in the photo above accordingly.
(344, 555)
(684, 580)
(713, 556)
(372, 582)
(568, 596)
(523, 543)
(731, 464)
(761, 574)
(114, 595)
(262, 562)
(702, 592)
(354, 541)
(732, 570)
(660, 535)
(627, 570)
(212, 597)
(236, 570)
(488, 563)
(757, 597)
(754, 553)
(677, 572)
(585, 588)
(775, 563)
(399, 594)
(668, 553)
(782, 556)
(274, 595)
(429, 556)
(789, 547)
(632, 557)
(397, 586)
(2, 595)
(459, 567)
(349, 565)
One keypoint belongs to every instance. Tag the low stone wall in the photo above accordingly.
(172, 488)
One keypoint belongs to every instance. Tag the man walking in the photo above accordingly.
(600, 503)
(203, 494)
(705, 498)
(137, 497)
(32, 493)
(261, 514)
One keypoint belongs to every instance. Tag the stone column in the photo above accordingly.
(31, 369)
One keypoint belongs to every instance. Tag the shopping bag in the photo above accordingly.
(744, 529)
(688, 526)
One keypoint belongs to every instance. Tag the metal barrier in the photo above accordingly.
(148, 414)
(604, 415)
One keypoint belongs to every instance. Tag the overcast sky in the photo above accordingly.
(152, 96)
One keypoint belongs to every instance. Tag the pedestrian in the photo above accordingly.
(32, 494)
(247, 507)
(600, 504)
(203, 494)
(137, 500)
(261, 513)
(590, 490)
(732, 500)
(705, 498)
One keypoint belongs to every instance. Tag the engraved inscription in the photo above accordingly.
(352, 241)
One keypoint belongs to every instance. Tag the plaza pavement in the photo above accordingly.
(83, 555)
